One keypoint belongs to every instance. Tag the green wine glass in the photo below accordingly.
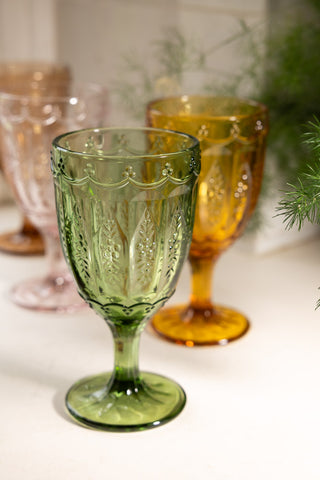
(125, 202)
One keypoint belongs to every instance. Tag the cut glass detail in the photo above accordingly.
(145, 250)
(215, 192)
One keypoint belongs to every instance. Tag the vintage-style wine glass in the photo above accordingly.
(232, 134)
(29, 124)
(125, 202)
(30, 78)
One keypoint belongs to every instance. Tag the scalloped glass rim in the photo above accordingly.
(94, 89)
(258, 108)
(147, 308)
(57, 140)
(90, 149)
(126, 181)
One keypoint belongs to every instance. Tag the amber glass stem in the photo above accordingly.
(27, 227)
(201, 281)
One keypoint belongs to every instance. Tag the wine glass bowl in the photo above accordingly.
(125, 204)
(30, 78)
(29, 124)
(232, 134)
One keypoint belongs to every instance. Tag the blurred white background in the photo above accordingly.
(93, 36)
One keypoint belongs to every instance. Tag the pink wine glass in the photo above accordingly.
(30, 78)
(29, 124)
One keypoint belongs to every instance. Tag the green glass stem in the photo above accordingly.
(125, 400)
(126, 373)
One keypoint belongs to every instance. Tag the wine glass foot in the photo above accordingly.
(125, 406)
(21, 243)
(48, 294)
(185, 325)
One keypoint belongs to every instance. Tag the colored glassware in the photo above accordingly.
(30, 78)
(232, 134)
(29, 124)
(125, 203)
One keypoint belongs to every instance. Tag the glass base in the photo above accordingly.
(196, 327)
(48, 294)
(124, 407)
(22, 243)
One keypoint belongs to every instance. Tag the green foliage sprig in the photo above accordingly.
(302, 201)
(138, 82)
(283, 71)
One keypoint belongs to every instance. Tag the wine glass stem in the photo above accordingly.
(57, 267)
(27, 227)
(126, 354)
(201, 281)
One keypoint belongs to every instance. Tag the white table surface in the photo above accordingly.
(253, 407)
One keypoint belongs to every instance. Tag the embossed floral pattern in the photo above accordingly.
(176, 229)
(126, 240)
(127, 237)
(242, 192)
(129, 172)
(110, 248)
(145, 250)
(215, 192)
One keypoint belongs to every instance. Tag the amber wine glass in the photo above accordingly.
(125, 202)
(232, 134)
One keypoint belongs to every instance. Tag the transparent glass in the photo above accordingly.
(31, 78)
(125, 203)
(232, 134)
(30, 123)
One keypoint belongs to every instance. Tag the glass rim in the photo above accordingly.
(261, 107)
(95, 88)
(32, 64)
(34, 67)
(163, 131)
